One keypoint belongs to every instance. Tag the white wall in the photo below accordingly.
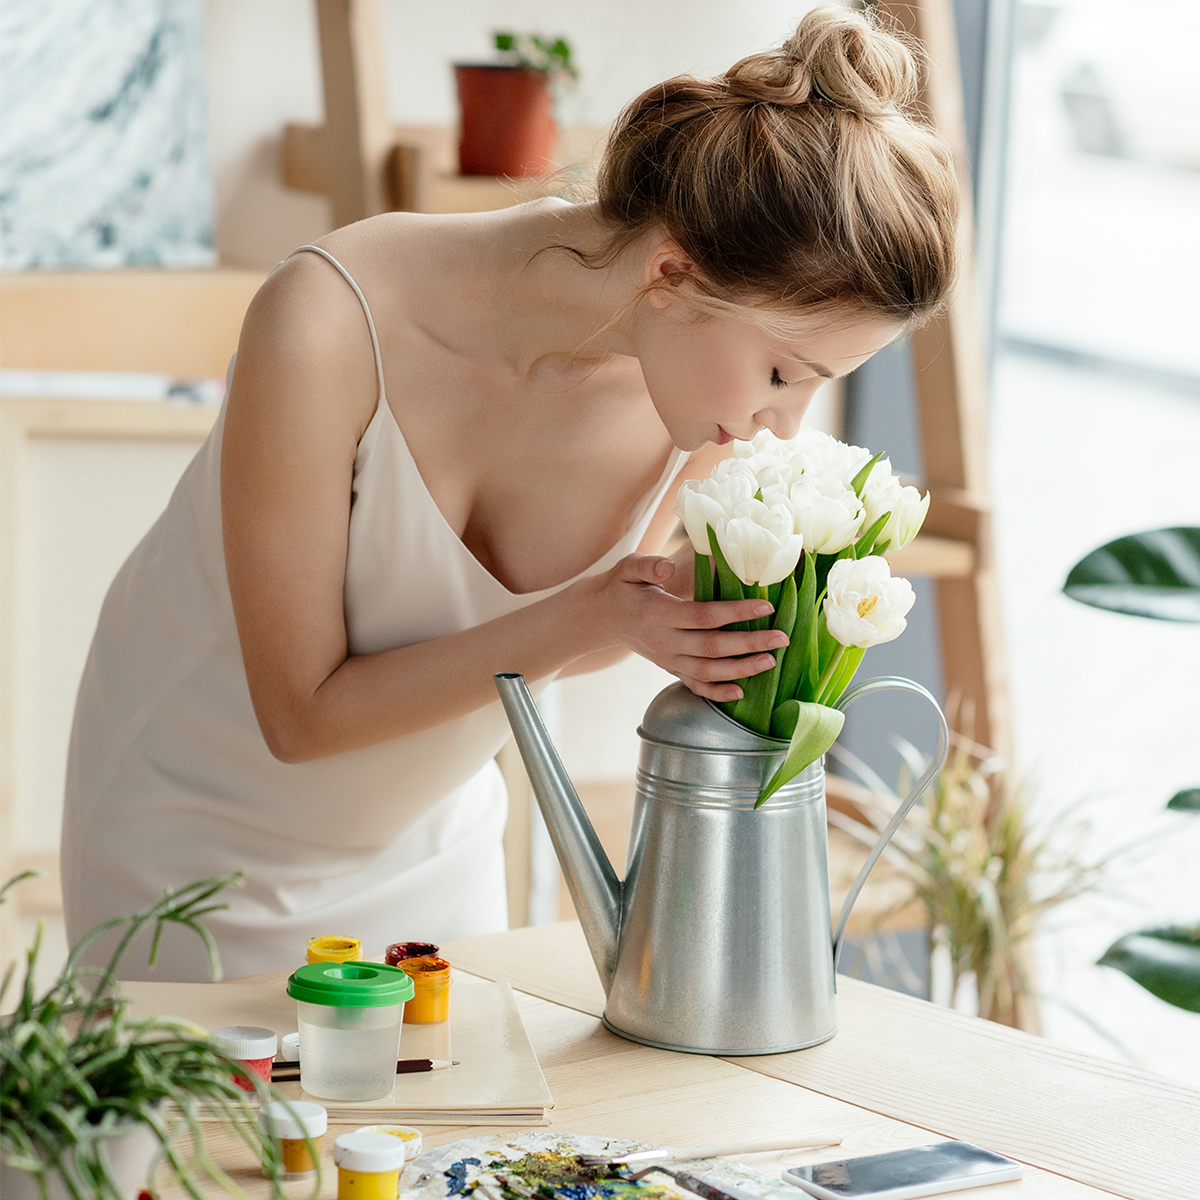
(264, 71)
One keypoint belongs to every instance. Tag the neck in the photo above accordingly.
(543, 313)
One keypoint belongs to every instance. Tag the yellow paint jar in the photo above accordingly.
(368, 1165)
(334, 947)
(431, 995)
(291, 1126)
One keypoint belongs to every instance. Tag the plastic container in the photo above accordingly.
(334, 947)
(350, 1017)
(368, 1166)
(289, 1048)
(406, 1134)
(289, 1125)
(251, 1046)
(399, 951)
(431, 1000)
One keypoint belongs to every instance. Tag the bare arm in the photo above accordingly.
(303, 392)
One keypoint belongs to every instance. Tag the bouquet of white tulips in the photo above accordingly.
(804, 524)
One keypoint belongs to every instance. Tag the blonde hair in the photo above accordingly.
(802, 177)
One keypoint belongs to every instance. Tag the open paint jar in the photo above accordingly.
(350, 1016)
(334, 947)
(431, 999)
(397, 952)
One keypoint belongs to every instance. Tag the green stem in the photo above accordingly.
(702, 585)
(823, 683)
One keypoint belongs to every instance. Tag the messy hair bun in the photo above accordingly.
(802, 176)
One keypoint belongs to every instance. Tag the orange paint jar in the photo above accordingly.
(431, 996)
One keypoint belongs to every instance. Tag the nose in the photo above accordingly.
(784, 420)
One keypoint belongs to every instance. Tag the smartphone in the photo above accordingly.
(900, 1174)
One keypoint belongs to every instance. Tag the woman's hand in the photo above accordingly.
(636, 610)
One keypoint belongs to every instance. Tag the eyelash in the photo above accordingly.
(776, 380)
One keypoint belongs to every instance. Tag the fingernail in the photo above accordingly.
(763, 610)
(766, 662)
(777, 641)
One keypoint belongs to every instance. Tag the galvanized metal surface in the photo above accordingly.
(719, 940)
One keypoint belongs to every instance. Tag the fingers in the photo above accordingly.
(646, 568)
(713, 614)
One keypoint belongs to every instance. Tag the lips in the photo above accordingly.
(723, 438)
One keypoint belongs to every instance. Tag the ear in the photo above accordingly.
(670, 262)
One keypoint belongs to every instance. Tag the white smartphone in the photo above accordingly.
(901, 1174)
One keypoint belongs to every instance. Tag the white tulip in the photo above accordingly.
(906, 505)
(763, 468)
(823, 457)
(704, 502)
(864, 605)
(828, 513)
(760, 543)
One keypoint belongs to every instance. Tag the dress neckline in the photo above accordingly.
(383, 409)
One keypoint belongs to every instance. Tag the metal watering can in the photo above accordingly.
(719, 939)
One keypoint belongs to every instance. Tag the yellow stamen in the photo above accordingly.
(866, 607)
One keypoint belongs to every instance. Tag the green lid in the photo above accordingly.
(350, 984)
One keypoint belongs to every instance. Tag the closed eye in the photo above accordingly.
(776, 379)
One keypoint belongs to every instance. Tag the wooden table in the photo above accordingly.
(900, 1072)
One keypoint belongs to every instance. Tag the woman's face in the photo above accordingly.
(713, 379)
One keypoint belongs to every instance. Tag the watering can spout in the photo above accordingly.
(591, 880)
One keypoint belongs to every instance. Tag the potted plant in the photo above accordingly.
(1153, 574)
(91, 1097)
(507, 106)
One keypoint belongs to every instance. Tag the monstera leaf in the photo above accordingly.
(1165, 962)
(1152, 574)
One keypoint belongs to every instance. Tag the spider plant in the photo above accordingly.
(970, 858)
(78, 1069)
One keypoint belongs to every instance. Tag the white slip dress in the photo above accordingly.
(169, 779)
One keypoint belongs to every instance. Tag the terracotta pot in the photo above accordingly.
(507, 121)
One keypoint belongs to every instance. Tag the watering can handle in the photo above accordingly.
(889, 683)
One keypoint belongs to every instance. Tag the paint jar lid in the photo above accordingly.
(292, 1120)
(407, 1136)
(368, 1152)
(245, 1042)
(350, 984)
(289, 1047)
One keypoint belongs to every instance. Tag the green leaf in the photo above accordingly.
(506, 41)
(860, 480)
(784, 720)
(1186, 801)
(1152, 574)
(754, 709)
(702, 588)
(1164, 961)
(795, 657)
(866, 540)
(731, 585)
(816, 730)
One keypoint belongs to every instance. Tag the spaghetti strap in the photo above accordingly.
(365, 307)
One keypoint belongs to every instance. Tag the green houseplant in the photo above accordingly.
(1153, 574)
(971, 859)
(80, 1073)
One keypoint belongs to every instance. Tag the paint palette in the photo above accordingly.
(540, 1166)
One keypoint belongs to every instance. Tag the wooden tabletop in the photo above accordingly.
(900, 1072)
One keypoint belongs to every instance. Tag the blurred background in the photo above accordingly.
(157, 157)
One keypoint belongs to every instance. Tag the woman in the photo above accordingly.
(448, 449)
